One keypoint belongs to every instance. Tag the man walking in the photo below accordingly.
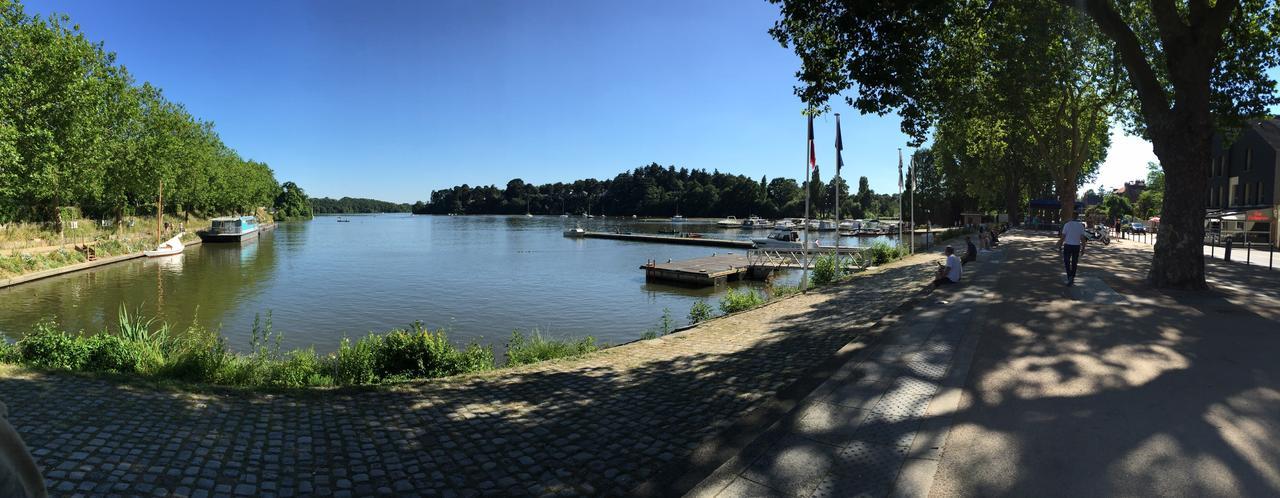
(1071, 244)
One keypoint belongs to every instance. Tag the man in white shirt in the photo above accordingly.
(1072, 245)
(950, 273)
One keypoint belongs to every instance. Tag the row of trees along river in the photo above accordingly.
(76, 129)
(656, 190)
(1021, 94)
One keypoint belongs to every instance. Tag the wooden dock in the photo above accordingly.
(755, 264)
(711, 270)
(668, 239)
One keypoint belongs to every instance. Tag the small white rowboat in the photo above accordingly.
(168, 248)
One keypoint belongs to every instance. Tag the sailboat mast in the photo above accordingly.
(159, 211)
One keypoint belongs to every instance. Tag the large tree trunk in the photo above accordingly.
(1183, 147)
(1012, 197)
(1067, 197)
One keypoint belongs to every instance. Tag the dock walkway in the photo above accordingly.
(667, 239)
(711, 270)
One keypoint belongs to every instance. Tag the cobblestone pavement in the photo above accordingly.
(594, 426)
(878, 425)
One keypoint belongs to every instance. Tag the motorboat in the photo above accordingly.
(850, 225)
(822, 225)
(780, 238)
(677, 219)
(756, 222)
(576, 232)
(230, 229)
(168, 248)
(730, 222)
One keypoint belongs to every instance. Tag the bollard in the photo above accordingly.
(1248, 249)
(1226, 253)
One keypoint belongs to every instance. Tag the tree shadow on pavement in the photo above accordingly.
(1158, 393)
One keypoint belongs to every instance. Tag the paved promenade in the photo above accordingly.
(879, 424)
(634, 418)
(1013, 384)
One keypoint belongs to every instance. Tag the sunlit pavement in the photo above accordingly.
(1113, 389)
(1105, 388)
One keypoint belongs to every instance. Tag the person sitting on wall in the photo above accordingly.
(970, 252)
(992, 235)
(950, 272)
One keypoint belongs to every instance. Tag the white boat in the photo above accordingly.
(780, 238)
(756, 222)
(731, 221)
(850, 224)
(575, 232)
(677, 219)
(168, 248)
(822, 225)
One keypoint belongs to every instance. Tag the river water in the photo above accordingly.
(478, 277)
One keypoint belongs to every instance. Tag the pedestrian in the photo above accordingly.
(1071, 243)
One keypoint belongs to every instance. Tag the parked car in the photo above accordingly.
(1138, 228)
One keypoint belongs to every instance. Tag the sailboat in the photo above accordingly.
(171, 246)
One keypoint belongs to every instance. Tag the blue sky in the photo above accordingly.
(394, 99)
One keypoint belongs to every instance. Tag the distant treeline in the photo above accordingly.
(76, 130)
(355, 205)
(664, 191)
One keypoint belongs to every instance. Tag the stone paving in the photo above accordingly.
(599, 425)
(879, 424)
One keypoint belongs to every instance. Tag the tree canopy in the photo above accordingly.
(662, 191)
(1014, 90)
(76, 129)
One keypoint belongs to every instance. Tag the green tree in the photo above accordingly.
(1191, 68)
(292, 203)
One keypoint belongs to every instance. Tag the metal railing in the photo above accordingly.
(848, 258)
(1226, 245)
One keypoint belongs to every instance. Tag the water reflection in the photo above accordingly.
(478, 276)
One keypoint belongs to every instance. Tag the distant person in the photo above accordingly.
(970, 252)
(1071, 243)
(992, 235)
(950, 272)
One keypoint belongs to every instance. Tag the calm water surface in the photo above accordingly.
(479, 277)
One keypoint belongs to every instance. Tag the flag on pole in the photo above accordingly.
(899, 169)
(813, 157)
(839, 147)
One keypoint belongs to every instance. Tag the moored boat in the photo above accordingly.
(230, 229)
(168, 248)
(730, 222)
(780, 238)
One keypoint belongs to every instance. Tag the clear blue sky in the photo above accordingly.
(394, 99)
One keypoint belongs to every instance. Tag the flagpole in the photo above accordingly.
(899, 197)
(912, 176)
(808, 163)
(836, 257)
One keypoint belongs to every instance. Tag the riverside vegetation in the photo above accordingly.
(150, 349)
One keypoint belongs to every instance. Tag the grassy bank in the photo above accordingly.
(146, 348)
(33, 247)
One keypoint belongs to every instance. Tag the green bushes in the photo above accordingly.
(522, 350)
(735, 301)
(700, 311)
(825, 270)
(418, 353)
(882, 252)
(146, 347)
(47, 347)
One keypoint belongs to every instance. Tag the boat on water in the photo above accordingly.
(822, 225)
(780, 238)
(168, 248)
(756, 222)
(677, 219)
(576, 232)
(850, 225)
(230, 229)
(730, 222)
(343, 220)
